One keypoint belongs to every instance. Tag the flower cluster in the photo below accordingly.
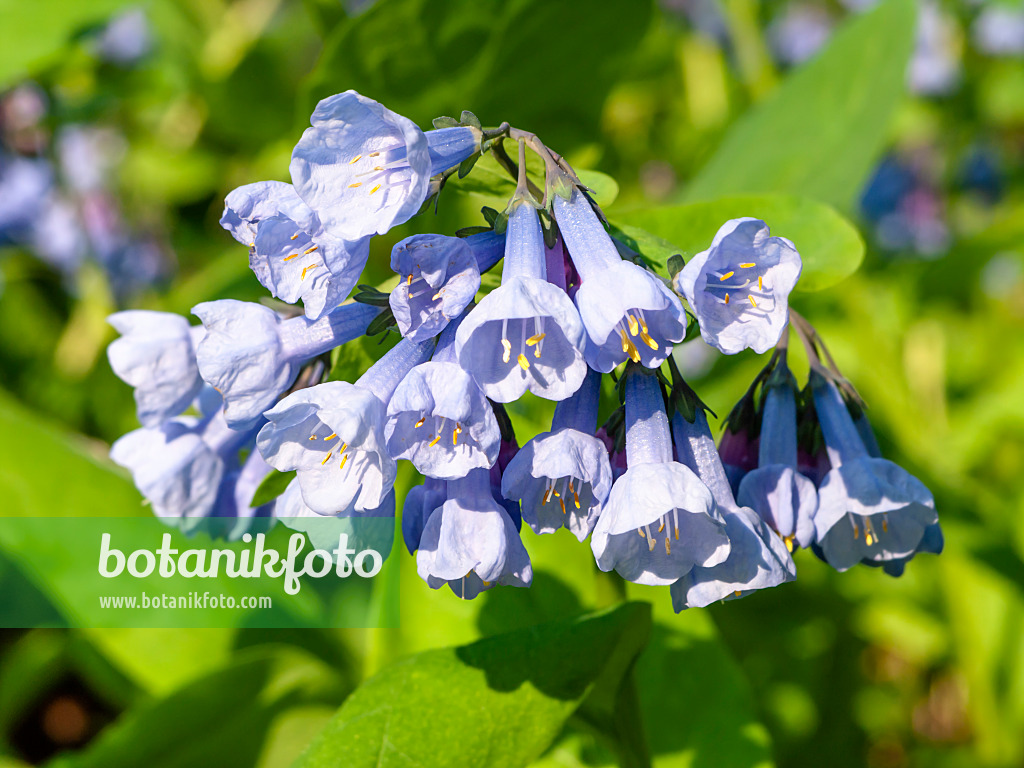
(648, 486)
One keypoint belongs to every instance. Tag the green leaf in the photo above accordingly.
(273, 485)
(498, 702)
(829, 245)
(603, 188)
(820, 132)
(34, 33)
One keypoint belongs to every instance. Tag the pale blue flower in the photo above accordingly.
(156, 355)
(628, 312)
(439, 418)
(250, 355)
(739, 288)
(470, 543)
(439, 278)
(420, 503)
(757, 559)
(289, 251)
(660, 521)
(776, 490)
(525, 334)
(371, 529)
(365, 169)
(333, 435)
(563, 477)
(869, 509)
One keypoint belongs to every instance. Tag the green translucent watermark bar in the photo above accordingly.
(144, 572)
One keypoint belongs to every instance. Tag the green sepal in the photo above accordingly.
(675, 265)
(385, 321)
(468, 118)
(445, 122)
(367, 294)
(467, 231)
(467, 165)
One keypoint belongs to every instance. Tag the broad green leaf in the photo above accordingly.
(830, 247)
(221, 719)
(273, 485)
(820, 132)
(33, 33)
(499, 702)
(521, 61)
(603, 188)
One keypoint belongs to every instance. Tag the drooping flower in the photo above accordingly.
(869, 508)
(290, 253)
(250, 355)
(563, 477)
(440, 420)
(372, 529)
(525, 334)
(470, 542)
(333, 435)
(440, 276)
(776, 490)
(420, 502)
(656, 496)
(757, 559)
(739, 455)
(156, 354)
(179, 465)
(365, 169)
(739, 288)
(628, 312)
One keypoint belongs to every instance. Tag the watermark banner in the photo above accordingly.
(146, 572)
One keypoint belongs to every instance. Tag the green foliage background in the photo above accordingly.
(837, 669)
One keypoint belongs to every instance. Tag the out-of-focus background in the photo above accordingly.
(122, 127)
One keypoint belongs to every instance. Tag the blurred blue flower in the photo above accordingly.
(470, 543)
(525, 334)
(656, 495)
(439, 278)
(126, 38)
(784, 498)
(563, 477)
(333, 435)
(250, 355)
(757, 559)
(156, 355)
(365, 169)
(628, 312)
(739, 288)
(440, 420)
(869, 509)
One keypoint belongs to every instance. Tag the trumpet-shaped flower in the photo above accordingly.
(439, 418)
(563, 477)
(757, 557)
(776, 490)
(525, 334)
(470, 542)
(333, 435)
(250, 355)
(869, 508)
(365, 169)
(156, 354)
(660, 521)
(628, 312)
(739, 288)
(440, 276)
(289, 251)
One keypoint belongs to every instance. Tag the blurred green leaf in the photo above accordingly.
(498, 702)
(830, 247)
(33, 33)
(820, 132)
(273, 485)
(603, 188)
(520, 61)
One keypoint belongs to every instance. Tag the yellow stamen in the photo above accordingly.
(293, 237)
(523, 362)
(331, 436)
(374, 154)
(291, 256)
(634, 326)
(437, 295)
(668, 547)
(677, 533)
(312, 437)
(327, 458)
(641, 532)
(868, 538)
(747, 265)
(435, 441)
(378, 167)
(788, 540)
(306, 269)
(649, 341)
(311, 249)
(455, 434)
(643, 325)
(760, 283)
(375, 188)
(629, 347)
(885, 524)
(408, 280)
(727, 298)
(562, 502)
(661, 527)
(344, 447)
(355, 184)
(557, 494)
(508, 350)
(856, 531)
(547, 496)
(419, 423)
(355, 159)
(726, 276)
(535, 339)
(754, 303)
(576, 499)
(486, 583)
(344, 458)
(737, 593)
